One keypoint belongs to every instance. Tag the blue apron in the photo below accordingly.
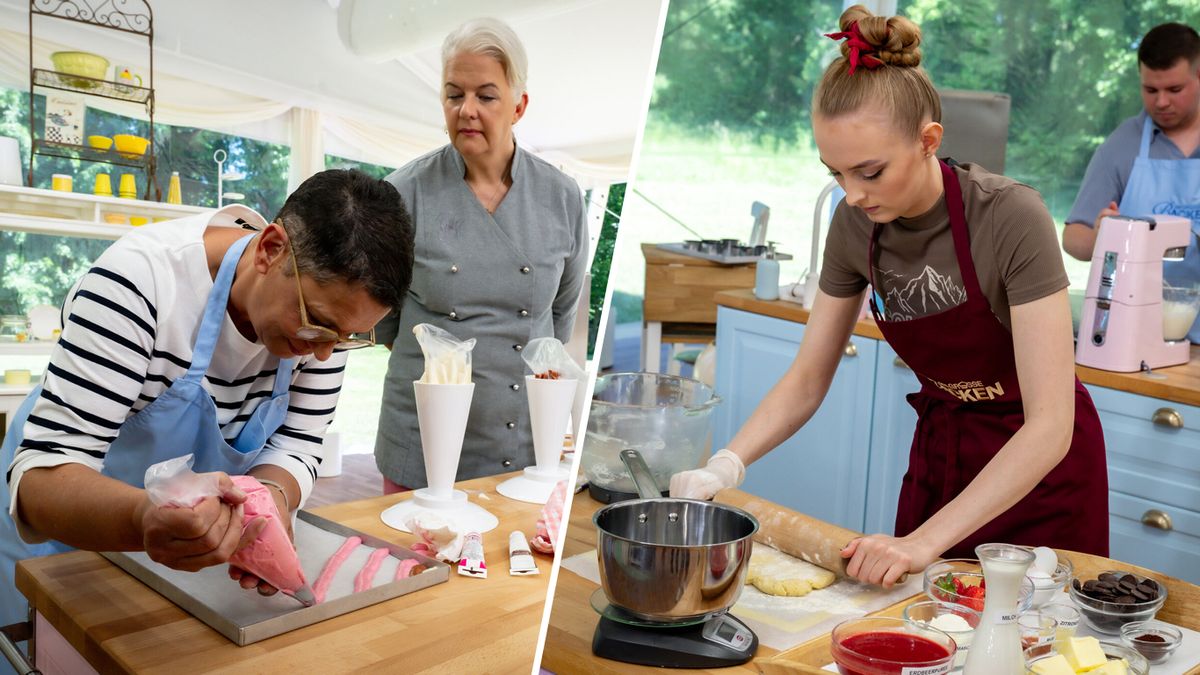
(181, 420)
(1168, 186)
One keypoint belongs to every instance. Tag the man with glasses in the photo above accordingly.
(218, 335)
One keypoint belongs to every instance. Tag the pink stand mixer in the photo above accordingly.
(1121, 327)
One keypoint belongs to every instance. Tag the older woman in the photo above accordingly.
(501, 248)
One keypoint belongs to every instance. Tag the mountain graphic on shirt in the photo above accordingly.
(927, 293)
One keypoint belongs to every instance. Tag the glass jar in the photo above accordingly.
(13, 328)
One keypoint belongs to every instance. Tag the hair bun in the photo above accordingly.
(897, 40)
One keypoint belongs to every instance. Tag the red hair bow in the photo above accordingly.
(860, 49)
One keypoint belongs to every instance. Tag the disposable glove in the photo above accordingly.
(723, 470)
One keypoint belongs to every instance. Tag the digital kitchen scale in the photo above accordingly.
(707, 642)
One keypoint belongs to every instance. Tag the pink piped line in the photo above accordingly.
(332, 566)
(404, 569)
(366, 576)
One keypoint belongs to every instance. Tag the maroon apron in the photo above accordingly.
(969, 406)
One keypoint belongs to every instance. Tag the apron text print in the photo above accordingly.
(971, 391)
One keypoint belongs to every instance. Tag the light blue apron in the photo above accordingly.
(1168, 186)
(181, 420)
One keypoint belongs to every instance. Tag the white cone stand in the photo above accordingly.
(442, 411)
(550, 404)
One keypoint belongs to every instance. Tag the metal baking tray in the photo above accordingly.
(725, 258)
(245, 617)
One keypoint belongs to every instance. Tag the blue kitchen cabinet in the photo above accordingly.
(822, 469)
(892, 427)
(1153, 449)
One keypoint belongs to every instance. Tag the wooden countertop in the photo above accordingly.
(1179, 383)
(120, 625)
(568, 648)
(573, 621)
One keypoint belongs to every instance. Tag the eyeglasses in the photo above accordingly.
(314, 333)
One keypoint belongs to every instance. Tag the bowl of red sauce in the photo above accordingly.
(888, 646)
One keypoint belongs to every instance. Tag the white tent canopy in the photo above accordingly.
(280, 70)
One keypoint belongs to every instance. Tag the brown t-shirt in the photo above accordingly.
(1014, 246)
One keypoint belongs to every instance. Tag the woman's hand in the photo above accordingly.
(203, 535)
(882, 560)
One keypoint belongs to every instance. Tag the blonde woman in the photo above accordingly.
(969, 289)
(501, 248)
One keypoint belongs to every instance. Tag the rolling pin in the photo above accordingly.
(800, 536)
(793, 533)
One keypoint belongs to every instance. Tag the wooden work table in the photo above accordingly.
(1179, 383)
(464, 625)
(568, 648)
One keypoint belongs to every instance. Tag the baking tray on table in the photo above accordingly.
(245, 617)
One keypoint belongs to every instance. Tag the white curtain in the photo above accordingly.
(390, 141)
(308, 146)
(177, 101)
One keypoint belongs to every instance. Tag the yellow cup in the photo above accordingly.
(62, 182)
(17, 376)
(103, 186)
(128, 187)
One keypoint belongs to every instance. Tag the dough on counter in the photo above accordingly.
(776, 573)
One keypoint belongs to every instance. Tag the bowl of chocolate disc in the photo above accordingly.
(1115, 598)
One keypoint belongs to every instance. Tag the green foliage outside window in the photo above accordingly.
(748, 68)
(373, 170)
(602, 261)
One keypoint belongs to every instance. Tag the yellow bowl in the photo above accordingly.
(80, 63)
(100, 142)
(131, 146)
(116, 219)
(138, 221)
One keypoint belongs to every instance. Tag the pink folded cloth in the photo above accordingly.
(271, 556)
(548, 525)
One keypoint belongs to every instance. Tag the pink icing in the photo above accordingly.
(332, 565)
(404, 570)
(271, 556)
(366, 576)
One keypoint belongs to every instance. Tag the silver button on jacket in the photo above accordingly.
(539, 226)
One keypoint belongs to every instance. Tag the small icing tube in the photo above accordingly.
(520, 560)
(471, 564)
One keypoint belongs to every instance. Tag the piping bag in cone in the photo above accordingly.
(447, 359)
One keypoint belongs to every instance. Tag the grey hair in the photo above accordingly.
(494, 38)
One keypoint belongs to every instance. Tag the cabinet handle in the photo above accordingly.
(1167, 417)
(1158, 519)
(851, 349)
(899, 363)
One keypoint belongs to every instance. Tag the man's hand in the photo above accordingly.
(191, 539)
(1111, 210)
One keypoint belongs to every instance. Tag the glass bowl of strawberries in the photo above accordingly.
(960, 581)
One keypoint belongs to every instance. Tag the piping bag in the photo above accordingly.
(270, 556)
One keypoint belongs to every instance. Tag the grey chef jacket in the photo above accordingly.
(502, 279)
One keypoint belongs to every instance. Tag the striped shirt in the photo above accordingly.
(128, 329)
